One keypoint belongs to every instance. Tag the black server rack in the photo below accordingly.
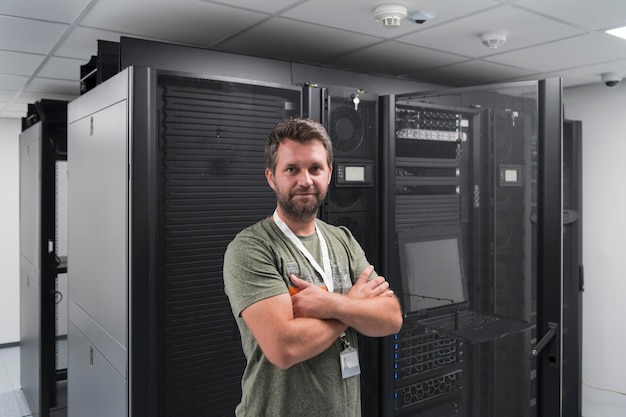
(174, 164)
(350, 117)
(211, 141)
(428, 157)
(474, 158)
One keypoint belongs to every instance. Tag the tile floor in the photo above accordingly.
(12, 401)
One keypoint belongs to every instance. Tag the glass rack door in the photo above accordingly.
(481, 166)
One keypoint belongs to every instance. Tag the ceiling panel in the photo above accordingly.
(12, 82)
(25, 35)
(193, 24)
(286, 39)
(265, 6)
(472, 72)
(358, 16)
(64, 11)
(564, 54)
(82, 43)
(61, 68)
(593, 73)
(395, 58)
(594, 15)
(16, 63)
(463, 35)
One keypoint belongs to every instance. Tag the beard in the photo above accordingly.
(293, 206)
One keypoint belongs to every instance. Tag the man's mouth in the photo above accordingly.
(305, 193)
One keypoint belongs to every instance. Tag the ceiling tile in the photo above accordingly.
(286, 39)
(597, 48)
(64, 11)
(593, 73)
(359, 16)
(62, 68)
(265, 6)
(14, 63)
(82, 43)
(12, 82)
(395, 58)
(593, 15)
(5, 97)
(25, 35)
(197, 23)
(463, 35)
(470, 73)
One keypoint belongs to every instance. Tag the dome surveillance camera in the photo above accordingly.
(611, 79)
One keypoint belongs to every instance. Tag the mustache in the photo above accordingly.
(310, 190)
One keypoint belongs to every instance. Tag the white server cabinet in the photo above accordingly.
(98, 243)
(42, 257)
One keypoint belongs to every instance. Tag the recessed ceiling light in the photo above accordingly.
(619, 32)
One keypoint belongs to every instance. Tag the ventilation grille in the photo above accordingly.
(352, 131)
(346, 129)
(428, 390)
(211, 182)
(418, 351)
(412, 210)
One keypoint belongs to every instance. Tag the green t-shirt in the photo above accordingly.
(257, 265)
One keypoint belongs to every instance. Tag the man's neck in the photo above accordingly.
(299, 226)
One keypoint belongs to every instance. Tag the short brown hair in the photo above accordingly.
(299, 129)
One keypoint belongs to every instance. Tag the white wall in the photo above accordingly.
(9, 230)
(603, 113)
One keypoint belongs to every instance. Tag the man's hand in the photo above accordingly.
(310, 300)
(374, 288)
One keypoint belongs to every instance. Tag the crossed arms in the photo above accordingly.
(292, 329)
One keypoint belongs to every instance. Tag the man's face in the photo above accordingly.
(301, 177)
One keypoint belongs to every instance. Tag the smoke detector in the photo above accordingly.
(492, 40)
(390, 15)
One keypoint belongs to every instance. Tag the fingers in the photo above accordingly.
(300, 283)
(365, 274)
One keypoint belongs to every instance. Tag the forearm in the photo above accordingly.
(374, 316)
(305, 338)
(284, 339)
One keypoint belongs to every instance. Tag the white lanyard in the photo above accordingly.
(326, 273)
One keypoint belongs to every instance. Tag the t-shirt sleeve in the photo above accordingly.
(250, 272)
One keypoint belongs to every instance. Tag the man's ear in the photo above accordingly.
(269, 176)
(330, 174)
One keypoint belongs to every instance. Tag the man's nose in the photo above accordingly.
(304, 179)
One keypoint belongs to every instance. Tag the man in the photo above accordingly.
(301, 289)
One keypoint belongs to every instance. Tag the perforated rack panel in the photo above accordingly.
(212, 185)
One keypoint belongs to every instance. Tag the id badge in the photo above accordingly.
(349, 359)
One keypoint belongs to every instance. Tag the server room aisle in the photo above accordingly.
(12, 401)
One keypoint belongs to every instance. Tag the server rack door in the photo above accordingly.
(353, 199)
(210, 185)
(573, 279)
(98, 250)
(41, 146)
(30, 266)
(475, 159)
